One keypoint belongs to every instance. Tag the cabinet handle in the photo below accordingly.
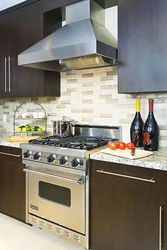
(3, 153)
(9, 68)
(126, 176)
(160, 228)
(5, 75)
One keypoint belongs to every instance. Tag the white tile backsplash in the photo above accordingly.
(89, 99)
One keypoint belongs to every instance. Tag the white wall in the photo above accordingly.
(111, 20)
(4, 4)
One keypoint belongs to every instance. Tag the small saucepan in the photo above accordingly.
(64, 128)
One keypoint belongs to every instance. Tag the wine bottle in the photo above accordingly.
(136, 128)
(151, 130)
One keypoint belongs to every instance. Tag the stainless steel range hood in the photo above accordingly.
(82, 43)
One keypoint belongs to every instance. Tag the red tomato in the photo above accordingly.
(122, 145)
(117, 143)
(112, 145)
(130, 145)
(109, 143)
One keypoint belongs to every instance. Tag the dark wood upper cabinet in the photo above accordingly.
(4, 48)
(19, 30)
(142, 35)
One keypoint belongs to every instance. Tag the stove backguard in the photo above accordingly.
(114, 132)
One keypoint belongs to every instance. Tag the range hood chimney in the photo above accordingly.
(82, 43)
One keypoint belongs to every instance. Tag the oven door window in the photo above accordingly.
(55, 193)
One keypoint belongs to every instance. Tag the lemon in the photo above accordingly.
(18, 129)
(23, 129)
(42, 128)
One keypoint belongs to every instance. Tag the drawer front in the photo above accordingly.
(10, 154)
(131, 176)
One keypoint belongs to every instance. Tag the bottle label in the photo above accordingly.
(147, 140)
(135, 136)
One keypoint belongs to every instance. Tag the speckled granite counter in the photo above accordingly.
(4, 142)
(10, 144)
(156, 161)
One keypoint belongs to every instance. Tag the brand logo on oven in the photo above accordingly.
(34, 207)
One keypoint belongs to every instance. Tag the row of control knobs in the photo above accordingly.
(51, 158)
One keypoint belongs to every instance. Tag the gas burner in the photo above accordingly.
(96, 139)
(75, 142)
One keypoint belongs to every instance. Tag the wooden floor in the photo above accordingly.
(15, 235)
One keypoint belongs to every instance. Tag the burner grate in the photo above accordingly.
(75, 142)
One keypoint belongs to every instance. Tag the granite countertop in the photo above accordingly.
(4, 142)
(10, 144)
(156, 161)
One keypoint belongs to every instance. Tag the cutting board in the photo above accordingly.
(24, 138)
(126, 153)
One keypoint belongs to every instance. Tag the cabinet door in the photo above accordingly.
(123, 218)
(12, 184)
(26, 29)
(142, 46)
(163, 223)
(4, 52)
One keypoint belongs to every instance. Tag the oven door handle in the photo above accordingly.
(80, 181)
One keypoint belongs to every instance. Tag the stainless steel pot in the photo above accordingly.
(64, 128)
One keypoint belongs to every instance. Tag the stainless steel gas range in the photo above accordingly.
(57, 180)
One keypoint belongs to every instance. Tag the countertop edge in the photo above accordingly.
(156, 161)
(10, 144)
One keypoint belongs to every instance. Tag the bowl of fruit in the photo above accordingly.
(27, 128)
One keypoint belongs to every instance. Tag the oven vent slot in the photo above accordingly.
(49, 227)
(67, 234)
(76, 238)
(58, 230)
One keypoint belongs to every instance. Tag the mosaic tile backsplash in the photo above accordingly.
(90, 97)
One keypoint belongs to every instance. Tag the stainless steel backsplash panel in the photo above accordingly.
(99, 131)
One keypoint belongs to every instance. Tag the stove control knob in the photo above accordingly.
(63, 160)
(51, 158)
(27, 154)
(37, 156)
(77, 162)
